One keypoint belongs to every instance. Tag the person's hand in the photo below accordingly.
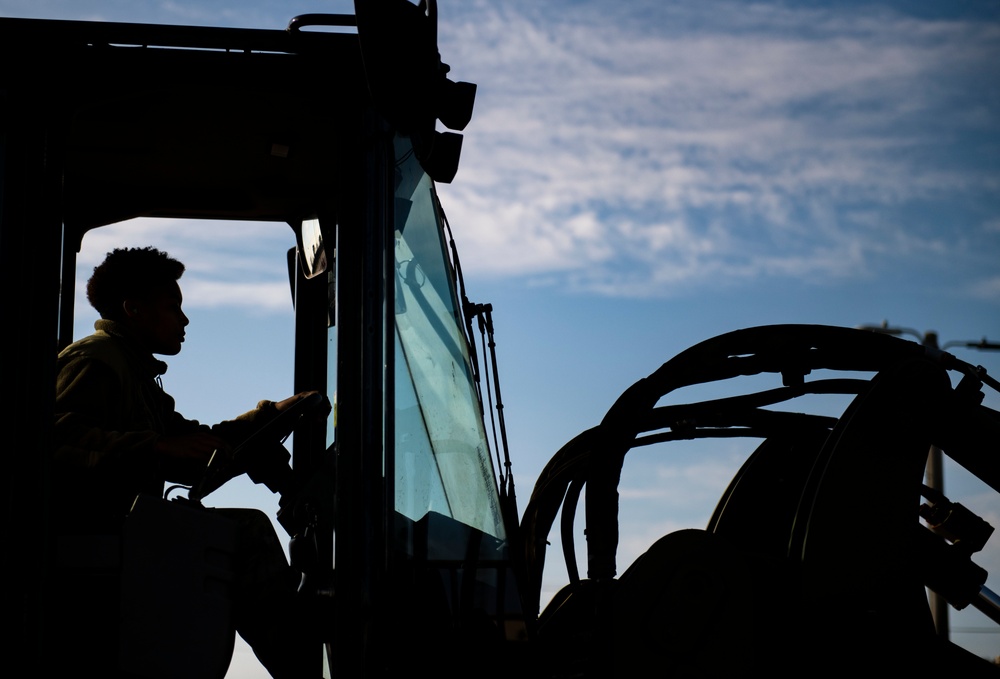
(292, 400)
(198, 445)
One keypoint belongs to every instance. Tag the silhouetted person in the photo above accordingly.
(117, 435)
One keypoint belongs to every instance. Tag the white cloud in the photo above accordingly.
(236, 264)
(988, 289)
(263, 297)
(646, 148)
(705, 142)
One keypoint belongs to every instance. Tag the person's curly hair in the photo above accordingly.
(131, 273)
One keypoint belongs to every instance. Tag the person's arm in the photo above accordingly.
(265, 462)
(244, 425)
(89, 403)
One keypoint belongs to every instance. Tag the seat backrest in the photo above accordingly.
(176, 591)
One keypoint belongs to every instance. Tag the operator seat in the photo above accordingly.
(153, 603)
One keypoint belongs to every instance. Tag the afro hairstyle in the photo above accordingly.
(129, 273)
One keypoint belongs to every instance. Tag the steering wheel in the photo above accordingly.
(281, 425)
(261, 455)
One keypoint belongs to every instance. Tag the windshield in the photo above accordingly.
(442, 460)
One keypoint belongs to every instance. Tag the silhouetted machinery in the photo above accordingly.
(402, 518)
(815, 555)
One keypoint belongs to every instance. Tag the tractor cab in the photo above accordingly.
(325, 130)
(399, 508)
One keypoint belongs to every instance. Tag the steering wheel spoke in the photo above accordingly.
(261, 455)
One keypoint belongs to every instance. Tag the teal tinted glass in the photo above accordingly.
(442, 460)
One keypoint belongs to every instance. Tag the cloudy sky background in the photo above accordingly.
(643, 175)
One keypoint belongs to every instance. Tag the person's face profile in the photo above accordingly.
(158, 319)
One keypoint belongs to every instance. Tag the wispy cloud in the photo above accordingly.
(647, 148)
(233, 264)
(710, 142)
(988, 288)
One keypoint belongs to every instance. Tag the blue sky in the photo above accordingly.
(638, 177)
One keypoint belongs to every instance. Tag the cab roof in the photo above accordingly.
(182, 121)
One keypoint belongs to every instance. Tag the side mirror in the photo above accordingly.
(312, 254)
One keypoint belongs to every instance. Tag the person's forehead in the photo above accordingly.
(167, 292)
